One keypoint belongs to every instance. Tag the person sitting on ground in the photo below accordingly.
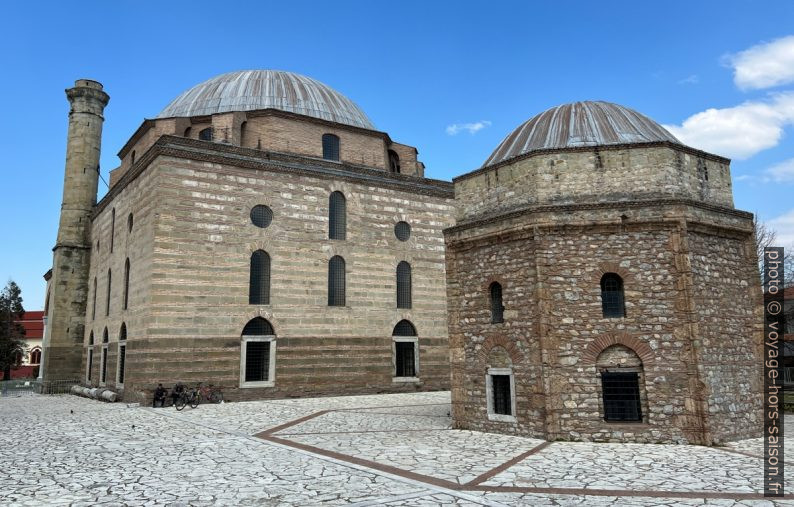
(159, 395)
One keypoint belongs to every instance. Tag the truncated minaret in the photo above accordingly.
(62, 356)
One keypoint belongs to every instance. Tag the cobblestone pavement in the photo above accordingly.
(359, 450)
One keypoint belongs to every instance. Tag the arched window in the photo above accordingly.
(337, 215)
(206, 134)
(403, 285)
(126, 282)
(336, 281)
(132, 157)
(129, 222)
(405, 351)
(259, 281)
(394, 162)
(103, 366)
(112, 227)
(35, 356)
(330, 147)
(258, 354)
(122, 354)
(93, 304)
(188, 132)
(90, 358)
(612, 301)
(107, 300)
(622, 384)
(497, 309)
(243, 126)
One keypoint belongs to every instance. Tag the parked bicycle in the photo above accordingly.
(210, 393)
(187, 397)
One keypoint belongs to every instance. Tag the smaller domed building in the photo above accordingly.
(601, 286)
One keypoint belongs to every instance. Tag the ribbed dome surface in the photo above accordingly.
(580, 124)
(250, 90)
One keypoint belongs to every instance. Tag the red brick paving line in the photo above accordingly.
(507, 464)
(472, 485)
(358, 431)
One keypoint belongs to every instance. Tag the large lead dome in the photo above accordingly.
(580, 124)
(250, 90)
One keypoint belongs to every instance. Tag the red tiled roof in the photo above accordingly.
(33, 322)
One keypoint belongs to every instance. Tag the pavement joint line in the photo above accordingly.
(402, 415)
(360, 431)
(507, 464)
(294, 446)
(387, 406)
(394, 498)
(292, 423)
(654, 493)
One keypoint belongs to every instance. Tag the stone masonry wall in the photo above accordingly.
(605, 175)
(198, 269)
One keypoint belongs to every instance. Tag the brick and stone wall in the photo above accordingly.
(190, 279)
(690, 327)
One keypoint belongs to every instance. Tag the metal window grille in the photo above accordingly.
(107, 300)
(404, 328)
(258, 327)
(336, 281)
(330, 147)
(403, 231)
(126, 283)
(337, 215)
(206, 134)
(90, 364)
(500, 385)
(122, 358)
(259, 284)
(497, 309)
(104, 369)
(112, 227)
(93, 305)
(261, 215)
(405, 359)
(403, 285)
(257, 361)
(621, 394)
(612, 302)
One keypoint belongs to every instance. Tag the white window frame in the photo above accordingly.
(103, 366)
(489, 395)
(118, 363)
(271, 381)
(405, 339)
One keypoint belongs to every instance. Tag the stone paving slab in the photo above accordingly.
(636, 467)
(369, 450)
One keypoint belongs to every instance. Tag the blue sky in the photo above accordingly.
(452, 78)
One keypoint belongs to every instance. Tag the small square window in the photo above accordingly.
(501, 398)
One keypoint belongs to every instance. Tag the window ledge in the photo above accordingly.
(245, 385)
(502, 418)
(627, 424)
(406, 380)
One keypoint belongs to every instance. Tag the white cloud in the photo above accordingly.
(784, 227)
(740, 131)
(693, 79)
(472, 128)
(764, 65)
(780, 173)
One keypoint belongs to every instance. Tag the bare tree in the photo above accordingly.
(765, 237)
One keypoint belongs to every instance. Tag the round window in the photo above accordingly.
(402, 230)
(261, 215)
